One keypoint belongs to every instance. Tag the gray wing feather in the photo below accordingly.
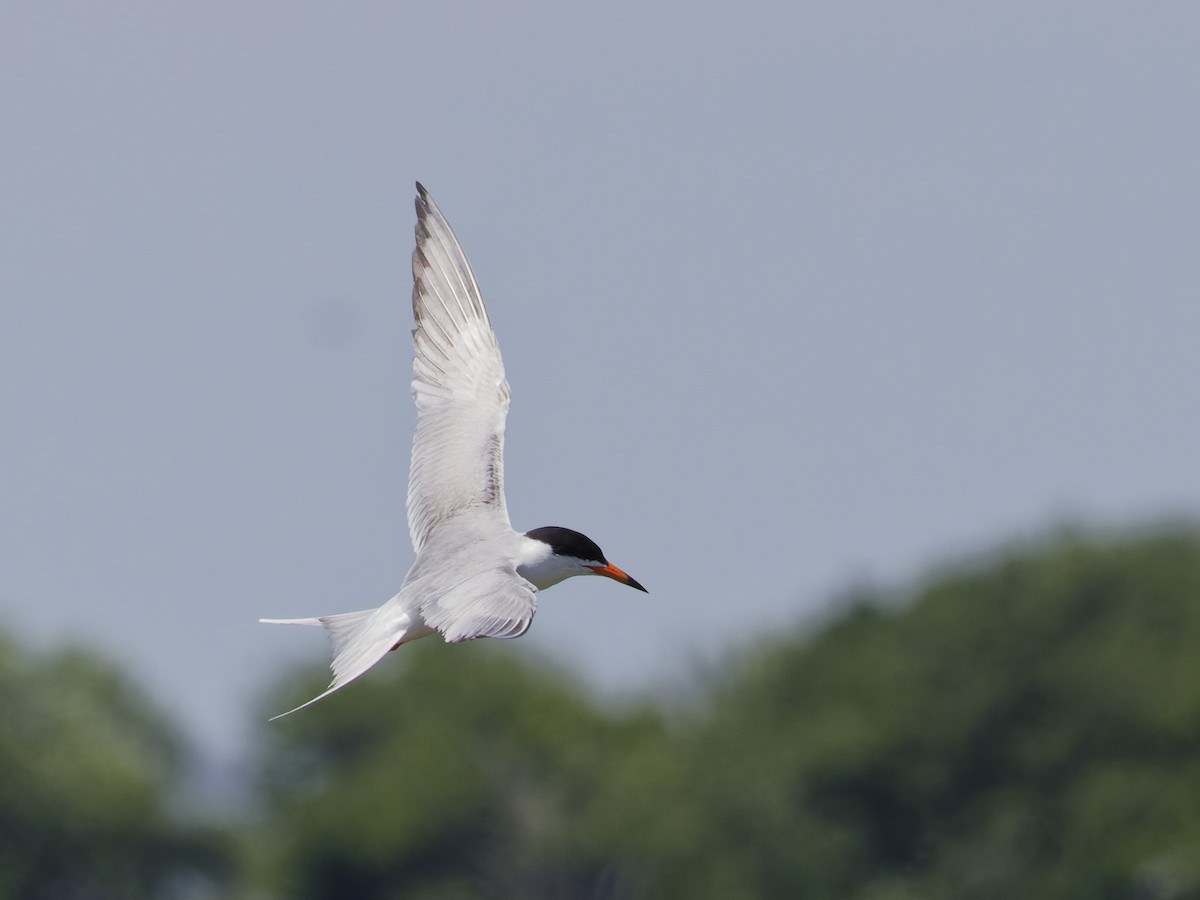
(496, 603)
(458, 385)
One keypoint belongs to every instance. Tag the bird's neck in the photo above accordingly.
(538, 564)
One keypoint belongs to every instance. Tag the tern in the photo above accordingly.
(473, 575)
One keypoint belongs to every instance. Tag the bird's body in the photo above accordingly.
(473, 576)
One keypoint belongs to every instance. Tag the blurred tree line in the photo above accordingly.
(87, 770)
(1025, 725)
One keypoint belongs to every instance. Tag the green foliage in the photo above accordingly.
(1023, 726)
(1028, 727)
(86, 770)
(456, 772)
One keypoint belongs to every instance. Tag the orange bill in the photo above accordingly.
(611, 571)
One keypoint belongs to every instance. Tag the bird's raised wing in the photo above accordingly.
(458, 385)
(495, 603)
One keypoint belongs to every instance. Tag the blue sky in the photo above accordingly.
(791, 296)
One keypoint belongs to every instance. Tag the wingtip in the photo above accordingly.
(425, 208)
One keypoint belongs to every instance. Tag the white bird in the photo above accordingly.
(473, 576)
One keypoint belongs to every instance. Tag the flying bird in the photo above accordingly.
(473, 576)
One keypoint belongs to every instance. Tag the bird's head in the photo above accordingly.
(568, 553)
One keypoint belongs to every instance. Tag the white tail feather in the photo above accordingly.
(312, 621)
(360, 639)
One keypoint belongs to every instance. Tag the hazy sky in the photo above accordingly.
(791, 297)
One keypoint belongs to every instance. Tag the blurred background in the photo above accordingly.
(862, 335)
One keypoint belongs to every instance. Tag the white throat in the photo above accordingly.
(537, 563)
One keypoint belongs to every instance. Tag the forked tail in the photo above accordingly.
(360, 639)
